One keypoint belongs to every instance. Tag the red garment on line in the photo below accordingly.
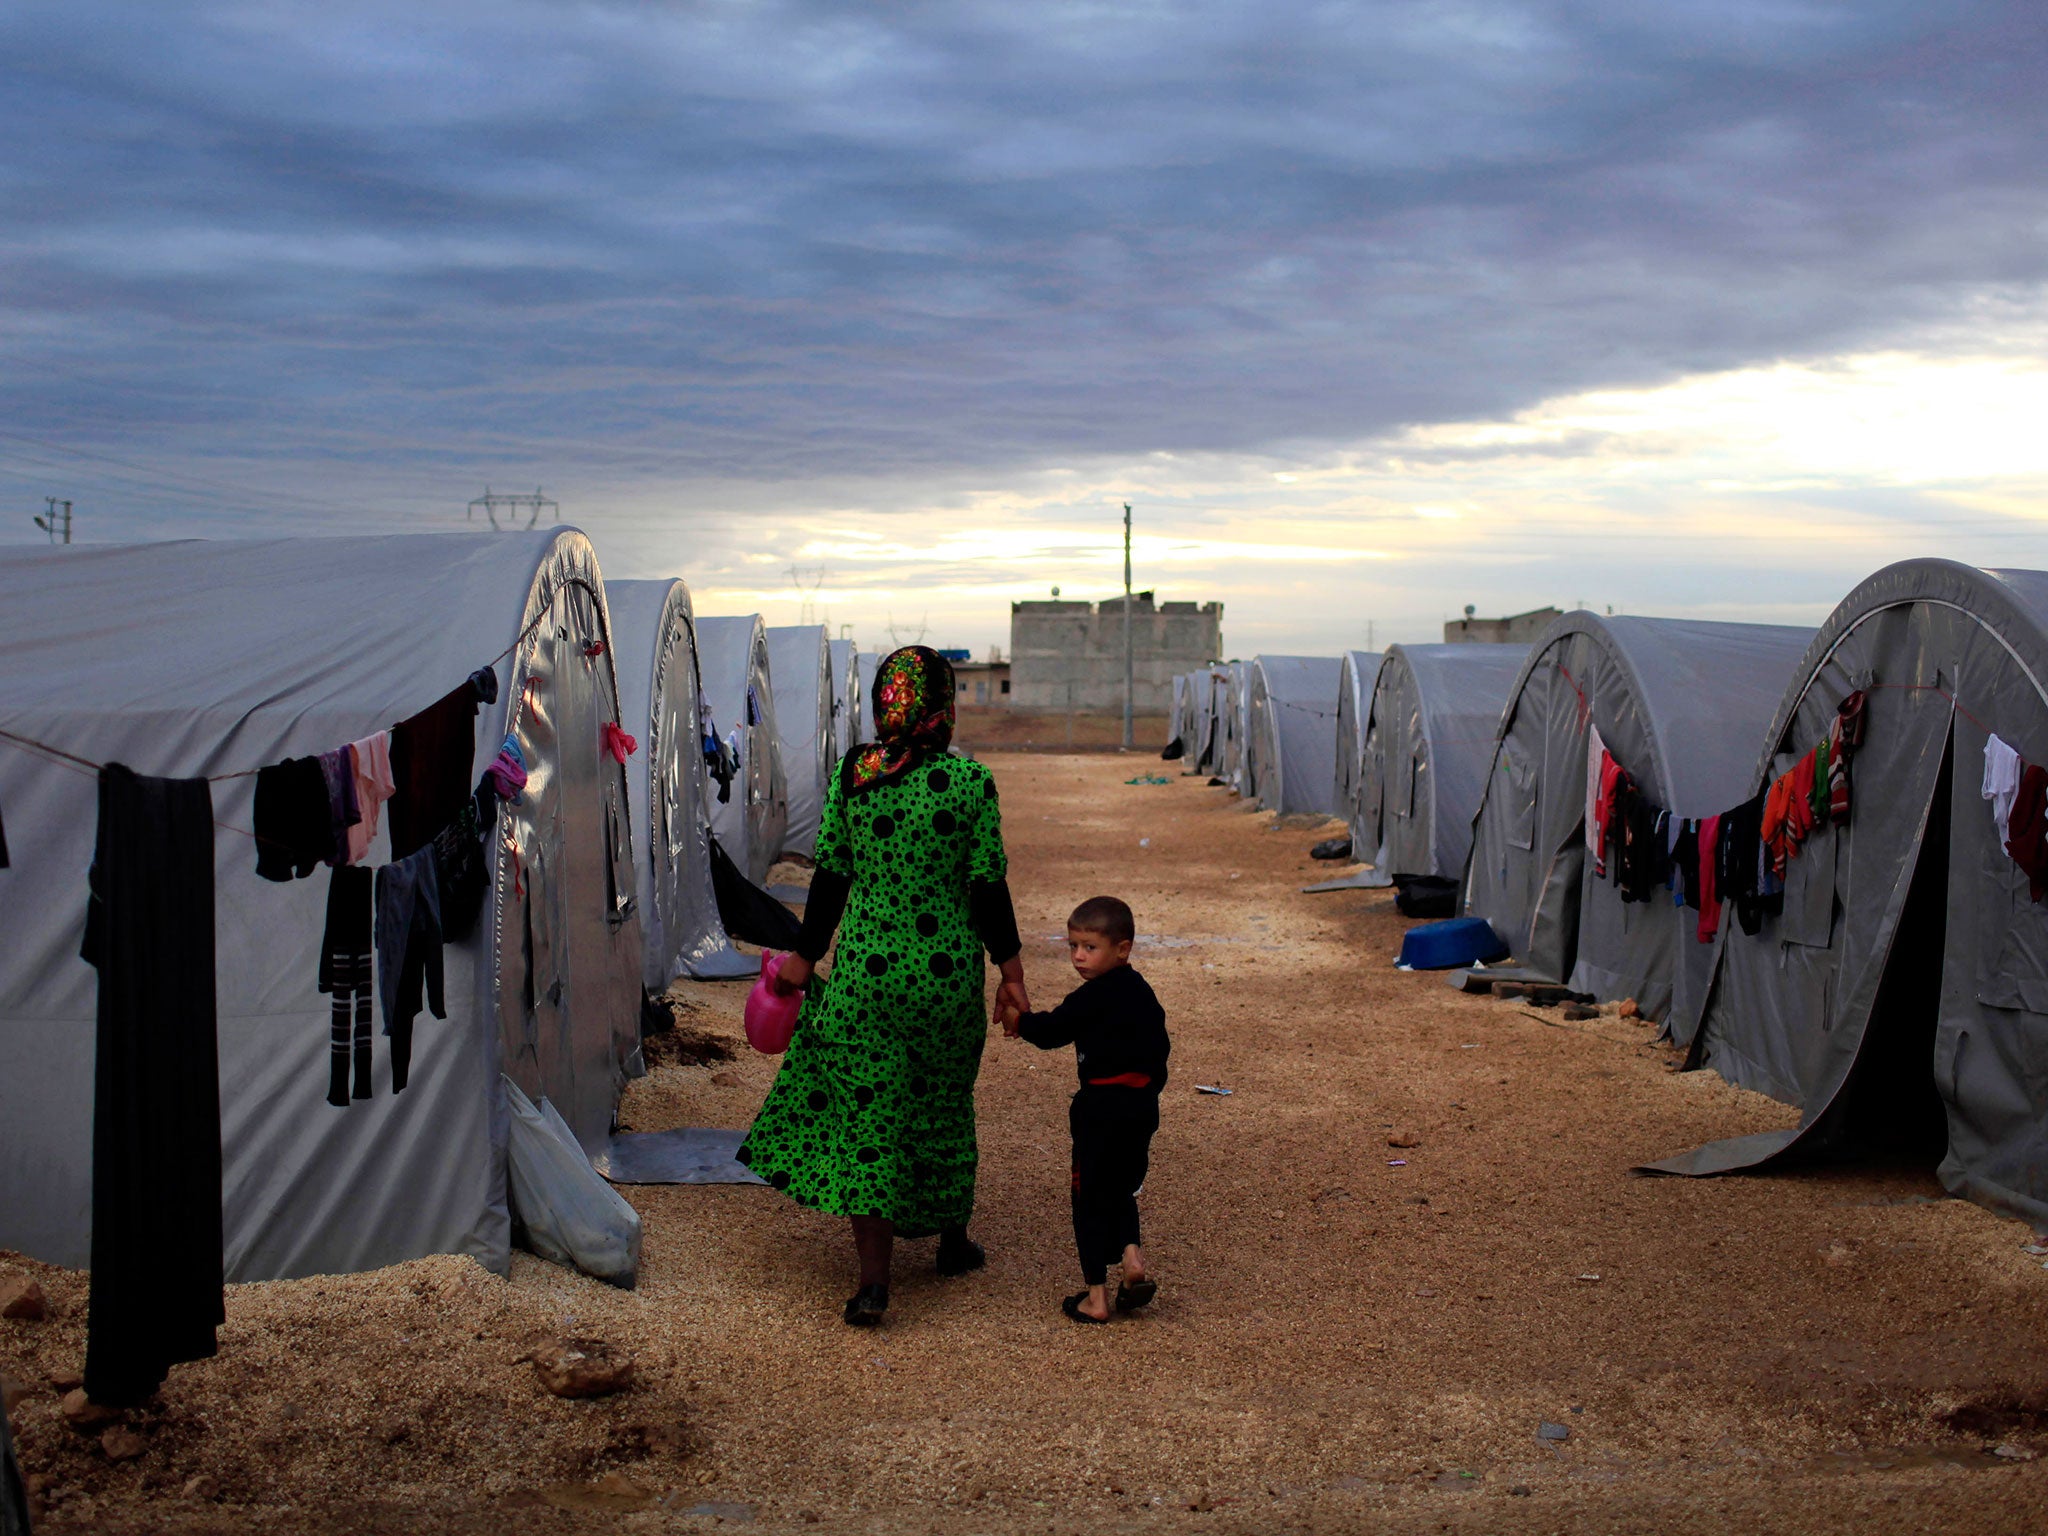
(1710, 865)
(2027, 832)
(1610, 782)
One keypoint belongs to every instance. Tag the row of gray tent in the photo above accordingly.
(1902, 993)
(213, 658)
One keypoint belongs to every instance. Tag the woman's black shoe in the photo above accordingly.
(868, 1304)
(958, 1253)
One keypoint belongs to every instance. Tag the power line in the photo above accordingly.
(163, 479)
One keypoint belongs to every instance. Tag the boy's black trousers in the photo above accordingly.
(1112, 1147)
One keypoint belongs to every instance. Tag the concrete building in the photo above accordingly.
(1518, 629)
(983, 682)
(1070, 656)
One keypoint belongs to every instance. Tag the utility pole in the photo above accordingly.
(493, 502)
(1129, 670)
(56, 522)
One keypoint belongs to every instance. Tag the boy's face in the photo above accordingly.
(1094, 954)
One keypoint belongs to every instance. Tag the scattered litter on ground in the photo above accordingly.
(1148, 778)
(1549, 1431)
(1590, 1279)
(1221, 1093)
(1397, 1162)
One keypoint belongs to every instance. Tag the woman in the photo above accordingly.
(872, 1114)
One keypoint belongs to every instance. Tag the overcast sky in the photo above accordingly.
(1372, 310)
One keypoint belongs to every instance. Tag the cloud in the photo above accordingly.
(710, 271)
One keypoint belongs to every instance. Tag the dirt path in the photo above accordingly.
(1339, 1342)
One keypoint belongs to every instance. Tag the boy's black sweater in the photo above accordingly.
(1115, 1025)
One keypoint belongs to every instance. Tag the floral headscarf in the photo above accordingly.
(913, 703)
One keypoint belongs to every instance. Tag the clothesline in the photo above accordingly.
(87, 767)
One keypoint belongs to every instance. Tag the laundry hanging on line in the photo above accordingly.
(158, 1289)
(1740, 855)
(345, 975)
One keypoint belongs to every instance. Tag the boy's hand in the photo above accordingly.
(1012, 1019)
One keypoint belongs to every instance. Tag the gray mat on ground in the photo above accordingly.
(1367, 879)
(689, 1154)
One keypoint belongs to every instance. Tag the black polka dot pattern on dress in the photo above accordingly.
(873, 1110)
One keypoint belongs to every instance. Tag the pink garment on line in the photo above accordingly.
(374, 785)
(618, 743)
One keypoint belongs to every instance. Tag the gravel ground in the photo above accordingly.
(1339, 1342)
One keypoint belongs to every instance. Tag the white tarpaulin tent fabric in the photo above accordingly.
(800, 662)
(845, 697)
(1680, 704)
(1179, 724)
(1902, 992)
(1357, 673)
(654, 639)
(732, 660)
(1428, 738)
(1291, 732)
(207, 658)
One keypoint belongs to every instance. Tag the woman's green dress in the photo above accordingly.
(872, 1113)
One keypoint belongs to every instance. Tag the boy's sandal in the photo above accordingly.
(1133, 1294)
(1071, 1305)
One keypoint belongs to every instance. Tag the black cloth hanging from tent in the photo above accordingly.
(747, 911)
(157, 1278)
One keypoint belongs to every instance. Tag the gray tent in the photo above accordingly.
(1357, 672)
(1681, 704)
(869, 662)
(654, 640)
(732, 660)
(845, 697)
(1231, 699)
(1291, 732)
(1206, 751)
(1903, 991)
(210, 658)
(801, 659)
(1428, 737)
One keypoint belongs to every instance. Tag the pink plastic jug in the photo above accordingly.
(771, 1016)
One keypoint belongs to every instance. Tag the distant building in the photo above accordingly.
(983, 682)
(1067, 655)
(1521, 629)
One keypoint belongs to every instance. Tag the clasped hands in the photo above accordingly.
(1011, 1004)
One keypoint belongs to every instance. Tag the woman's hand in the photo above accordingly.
(793, 976)
(1011, 998)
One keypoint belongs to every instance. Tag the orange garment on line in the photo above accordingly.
(1788, 814)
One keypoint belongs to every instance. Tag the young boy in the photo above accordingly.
(1118, 1031)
